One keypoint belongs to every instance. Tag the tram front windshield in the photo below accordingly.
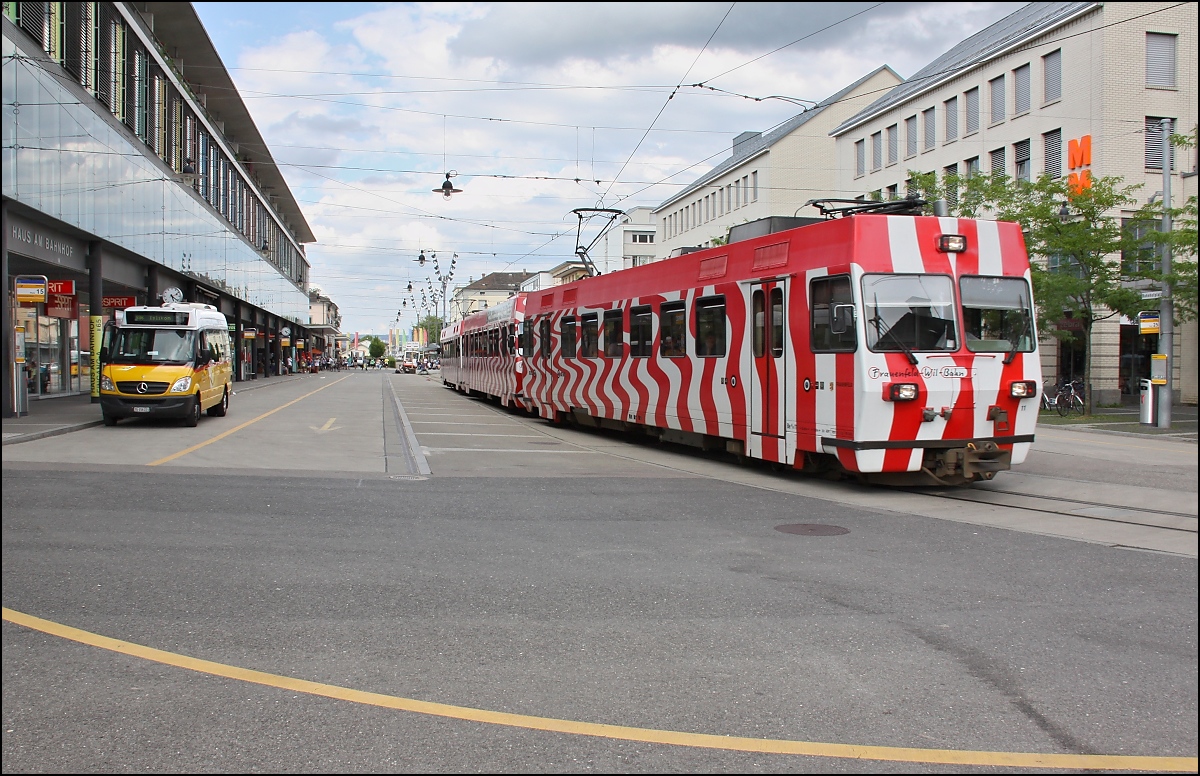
(153, 346)
(997, 314)
(906, 313)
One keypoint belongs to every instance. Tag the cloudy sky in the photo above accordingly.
(539, 108)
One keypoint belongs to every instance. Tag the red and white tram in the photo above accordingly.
(480, 356)
(898, 347)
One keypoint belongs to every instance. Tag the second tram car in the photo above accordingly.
(480, 354)
(896, 347)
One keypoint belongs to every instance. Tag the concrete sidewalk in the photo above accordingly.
(64, 414)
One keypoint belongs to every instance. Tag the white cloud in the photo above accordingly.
(365, 106)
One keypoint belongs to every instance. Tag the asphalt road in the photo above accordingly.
(545, 577)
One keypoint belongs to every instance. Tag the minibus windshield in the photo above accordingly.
(153, 346)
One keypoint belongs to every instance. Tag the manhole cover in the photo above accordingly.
(408, 477)
(812, 529)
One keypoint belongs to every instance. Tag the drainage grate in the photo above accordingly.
(812, 529)
(407, 477)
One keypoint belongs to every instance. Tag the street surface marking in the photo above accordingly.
(327, 427)
(646, 735)
(506, 450)
(235, 429)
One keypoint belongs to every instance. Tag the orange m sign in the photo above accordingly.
(1079, 152)
(1079, 155)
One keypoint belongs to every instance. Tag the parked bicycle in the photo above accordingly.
(1070, 398)
(1049, 396)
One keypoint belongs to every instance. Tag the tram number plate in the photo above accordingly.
(141, 409)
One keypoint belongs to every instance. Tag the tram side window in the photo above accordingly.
(591, 335)
(710, 327)
(526, 338)
(544, 335)
(673, 330)
(832, 315)
(567, 330)
(614, 337)
(641, 335)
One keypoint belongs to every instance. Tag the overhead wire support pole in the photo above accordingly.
(1166, 305)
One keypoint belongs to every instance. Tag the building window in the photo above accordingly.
(972, 166)
(951, 110)
(754, 186)
(1053, 145)
(860, 158)
(1021, 160)
(972, 98)
(1021, 87)
(1154, 144)
(1052, 76)
(910, 136)
(930, 129)
(1142, 258)
(950, 181)
(893, 144)
(998, 162)
(1160, 60)
(893, 191)
(996, 86)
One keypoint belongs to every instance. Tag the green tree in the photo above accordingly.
(1075, 238)
(432, 326)
(1182, 242)
(377, 347)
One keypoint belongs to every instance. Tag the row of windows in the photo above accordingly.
(998, 159)
(921, 131)
(94, 44)
(726, 199)
(1160, 73)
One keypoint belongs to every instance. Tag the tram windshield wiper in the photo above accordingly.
(1017, 335)
(890, 335)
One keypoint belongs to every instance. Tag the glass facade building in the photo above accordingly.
(111, 158)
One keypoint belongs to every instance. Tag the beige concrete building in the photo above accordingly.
(766, 174)
(1014, 98)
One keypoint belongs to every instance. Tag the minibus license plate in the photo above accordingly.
(141, 409)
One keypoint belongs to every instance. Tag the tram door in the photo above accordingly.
(768, 394)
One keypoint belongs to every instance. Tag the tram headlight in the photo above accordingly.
(106, 384)
(182, 385)
(1022, 389)
(902, 392)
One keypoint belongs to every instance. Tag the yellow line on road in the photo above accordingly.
(327, 425)
(1073, 762)
(235, 429)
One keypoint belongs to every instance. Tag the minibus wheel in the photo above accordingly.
(193, 416)
(219, 410)
(109, 420)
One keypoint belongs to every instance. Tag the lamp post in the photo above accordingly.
(444, 280)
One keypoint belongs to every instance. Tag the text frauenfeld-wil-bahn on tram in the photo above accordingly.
(900, 348)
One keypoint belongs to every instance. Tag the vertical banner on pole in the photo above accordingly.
(97, 322)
